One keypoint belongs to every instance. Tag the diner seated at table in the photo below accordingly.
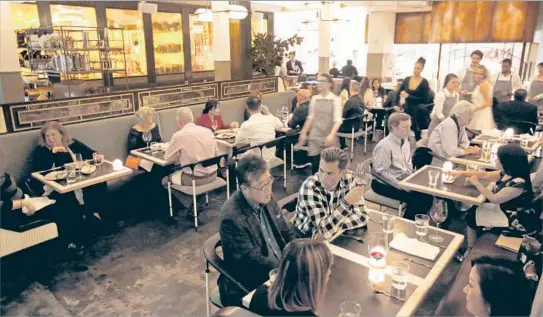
(57, 148)
(295, 100)
(497, 287)
(299, 115)
(146, 125)
(260, 128)
(450, 137)
(16, 211)
(253, 230)
(354, 107)
(517, 114)
(330, 200)
(265, 110)
(509, 203)
(300, 284)
(392, 160)
(192, 143)
(211, 117)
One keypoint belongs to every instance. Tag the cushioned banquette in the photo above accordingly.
(109, 136)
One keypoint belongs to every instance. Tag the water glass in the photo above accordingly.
(155, 147)
(388, 221)
(361, 175)
(421, 223)
(273, 275)
(350, 309)
(98, 158)
(400, 275)
(433, 176)
(71, 173)
(79, 164)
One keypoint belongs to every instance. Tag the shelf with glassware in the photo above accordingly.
(74, 53)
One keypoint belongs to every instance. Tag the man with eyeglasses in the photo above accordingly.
(330, 201)
(253, 230)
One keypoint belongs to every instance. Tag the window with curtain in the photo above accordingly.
(201, 44)
(168, 42)
(131, 21)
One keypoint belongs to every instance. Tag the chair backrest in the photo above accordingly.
(273, 143)
(210, 253)
(216, 160)
(521, 126)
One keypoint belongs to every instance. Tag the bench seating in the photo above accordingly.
(13, 241)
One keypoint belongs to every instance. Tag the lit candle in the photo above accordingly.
(117, 165)
(509, 133)
(447, 166)
(445, 176)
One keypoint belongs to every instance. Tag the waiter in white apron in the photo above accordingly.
(467, 83)
(506, 82)
(323, 121)
(535, 95)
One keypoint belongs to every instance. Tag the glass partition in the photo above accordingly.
(168, 42)
(201, 41)
(134, 39)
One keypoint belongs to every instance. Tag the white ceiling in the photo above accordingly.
(394, 6)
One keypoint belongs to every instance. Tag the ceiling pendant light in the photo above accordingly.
(204, 15)
(237, 12)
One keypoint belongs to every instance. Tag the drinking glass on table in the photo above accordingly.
(214, 125)
(361, 175)
(79, 164)
(421, 223)
(71, 173)
(378, 249)
(98, 158)
(155, 147)
(400, 274)
(147, 137)
(439, 214)
(350, 309)
(388, 220)
(433, 176)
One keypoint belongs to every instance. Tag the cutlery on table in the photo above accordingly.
(417, 262)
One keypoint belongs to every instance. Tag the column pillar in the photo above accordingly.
(381, 27)
(221, 40)
(325, 16)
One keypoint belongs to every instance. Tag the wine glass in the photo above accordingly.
(439, 214)
(147, 137)
(78, 164)
(378, 249)
(214, 125)
(360, 175)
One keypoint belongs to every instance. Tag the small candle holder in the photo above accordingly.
(117, 165)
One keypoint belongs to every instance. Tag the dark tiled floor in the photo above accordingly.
(147, 265)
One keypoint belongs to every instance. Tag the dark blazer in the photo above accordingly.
(299, 116)
(508, 112)
(259, 305)
(293, 104)
(290, 69)
(349, 71)
(418, 96)
(334, 72)
(244, 248)
(353, 107)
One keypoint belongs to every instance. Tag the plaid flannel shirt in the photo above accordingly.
(326, 213)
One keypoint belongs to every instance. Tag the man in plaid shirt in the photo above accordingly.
(330, 200)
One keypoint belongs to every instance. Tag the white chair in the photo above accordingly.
(365, 131)
(373, 197)
(194, 190)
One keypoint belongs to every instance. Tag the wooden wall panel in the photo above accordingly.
(426, 27)
(409, 28)
(531, 20)
(473, 21)
(441, 22)
(508, 20)
(235, 49)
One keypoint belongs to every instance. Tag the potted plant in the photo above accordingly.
(266, 50)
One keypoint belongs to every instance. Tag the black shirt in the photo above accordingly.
(259, 305)
(349, 71)
(299, 116)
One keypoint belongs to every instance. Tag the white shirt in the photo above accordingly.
(516, 83)
(439, 99)
(338, 108)
(258, 129)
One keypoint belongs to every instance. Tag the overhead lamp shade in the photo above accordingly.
(204, 15)
(237, 12)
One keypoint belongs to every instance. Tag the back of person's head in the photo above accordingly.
(355, 87)
(184, 115)
(210, 105)
(302, 276)
(478, 53)
(250, 167)
(503, 286)
(349, 62)
(520, 94)
(514, 162)
(335, 155)
(254, 104)
(364, 85)
(395, 119)
(462, 108)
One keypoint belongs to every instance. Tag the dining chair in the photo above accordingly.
(373, 197)
(353, 136)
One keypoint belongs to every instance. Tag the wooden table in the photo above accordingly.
(473, 159)
(349, 278)
(157, 157)
(102, 174)
(457, 191)
(532, 146)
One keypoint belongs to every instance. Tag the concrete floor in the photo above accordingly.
(147, 265)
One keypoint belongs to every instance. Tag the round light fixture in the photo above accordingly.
(204, 15)
(237, 12)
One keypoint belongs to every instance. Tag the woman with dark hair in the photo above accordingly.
(414, 92)
(211, 117)
(378, 90)
(444, 101)
(535, 94)
(497, 287)
(509, 203)
(300, 283)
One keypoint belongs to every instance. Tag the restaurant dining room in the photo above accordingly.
(271, 158)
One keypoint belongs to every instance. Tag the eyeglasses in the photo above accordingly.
(268, 183)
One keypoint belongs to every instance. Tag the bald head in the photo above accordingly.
(303, 95)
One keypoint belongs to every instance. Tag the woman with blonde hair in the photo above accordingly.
(300, 283)
(146, 125)
(482, 100)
